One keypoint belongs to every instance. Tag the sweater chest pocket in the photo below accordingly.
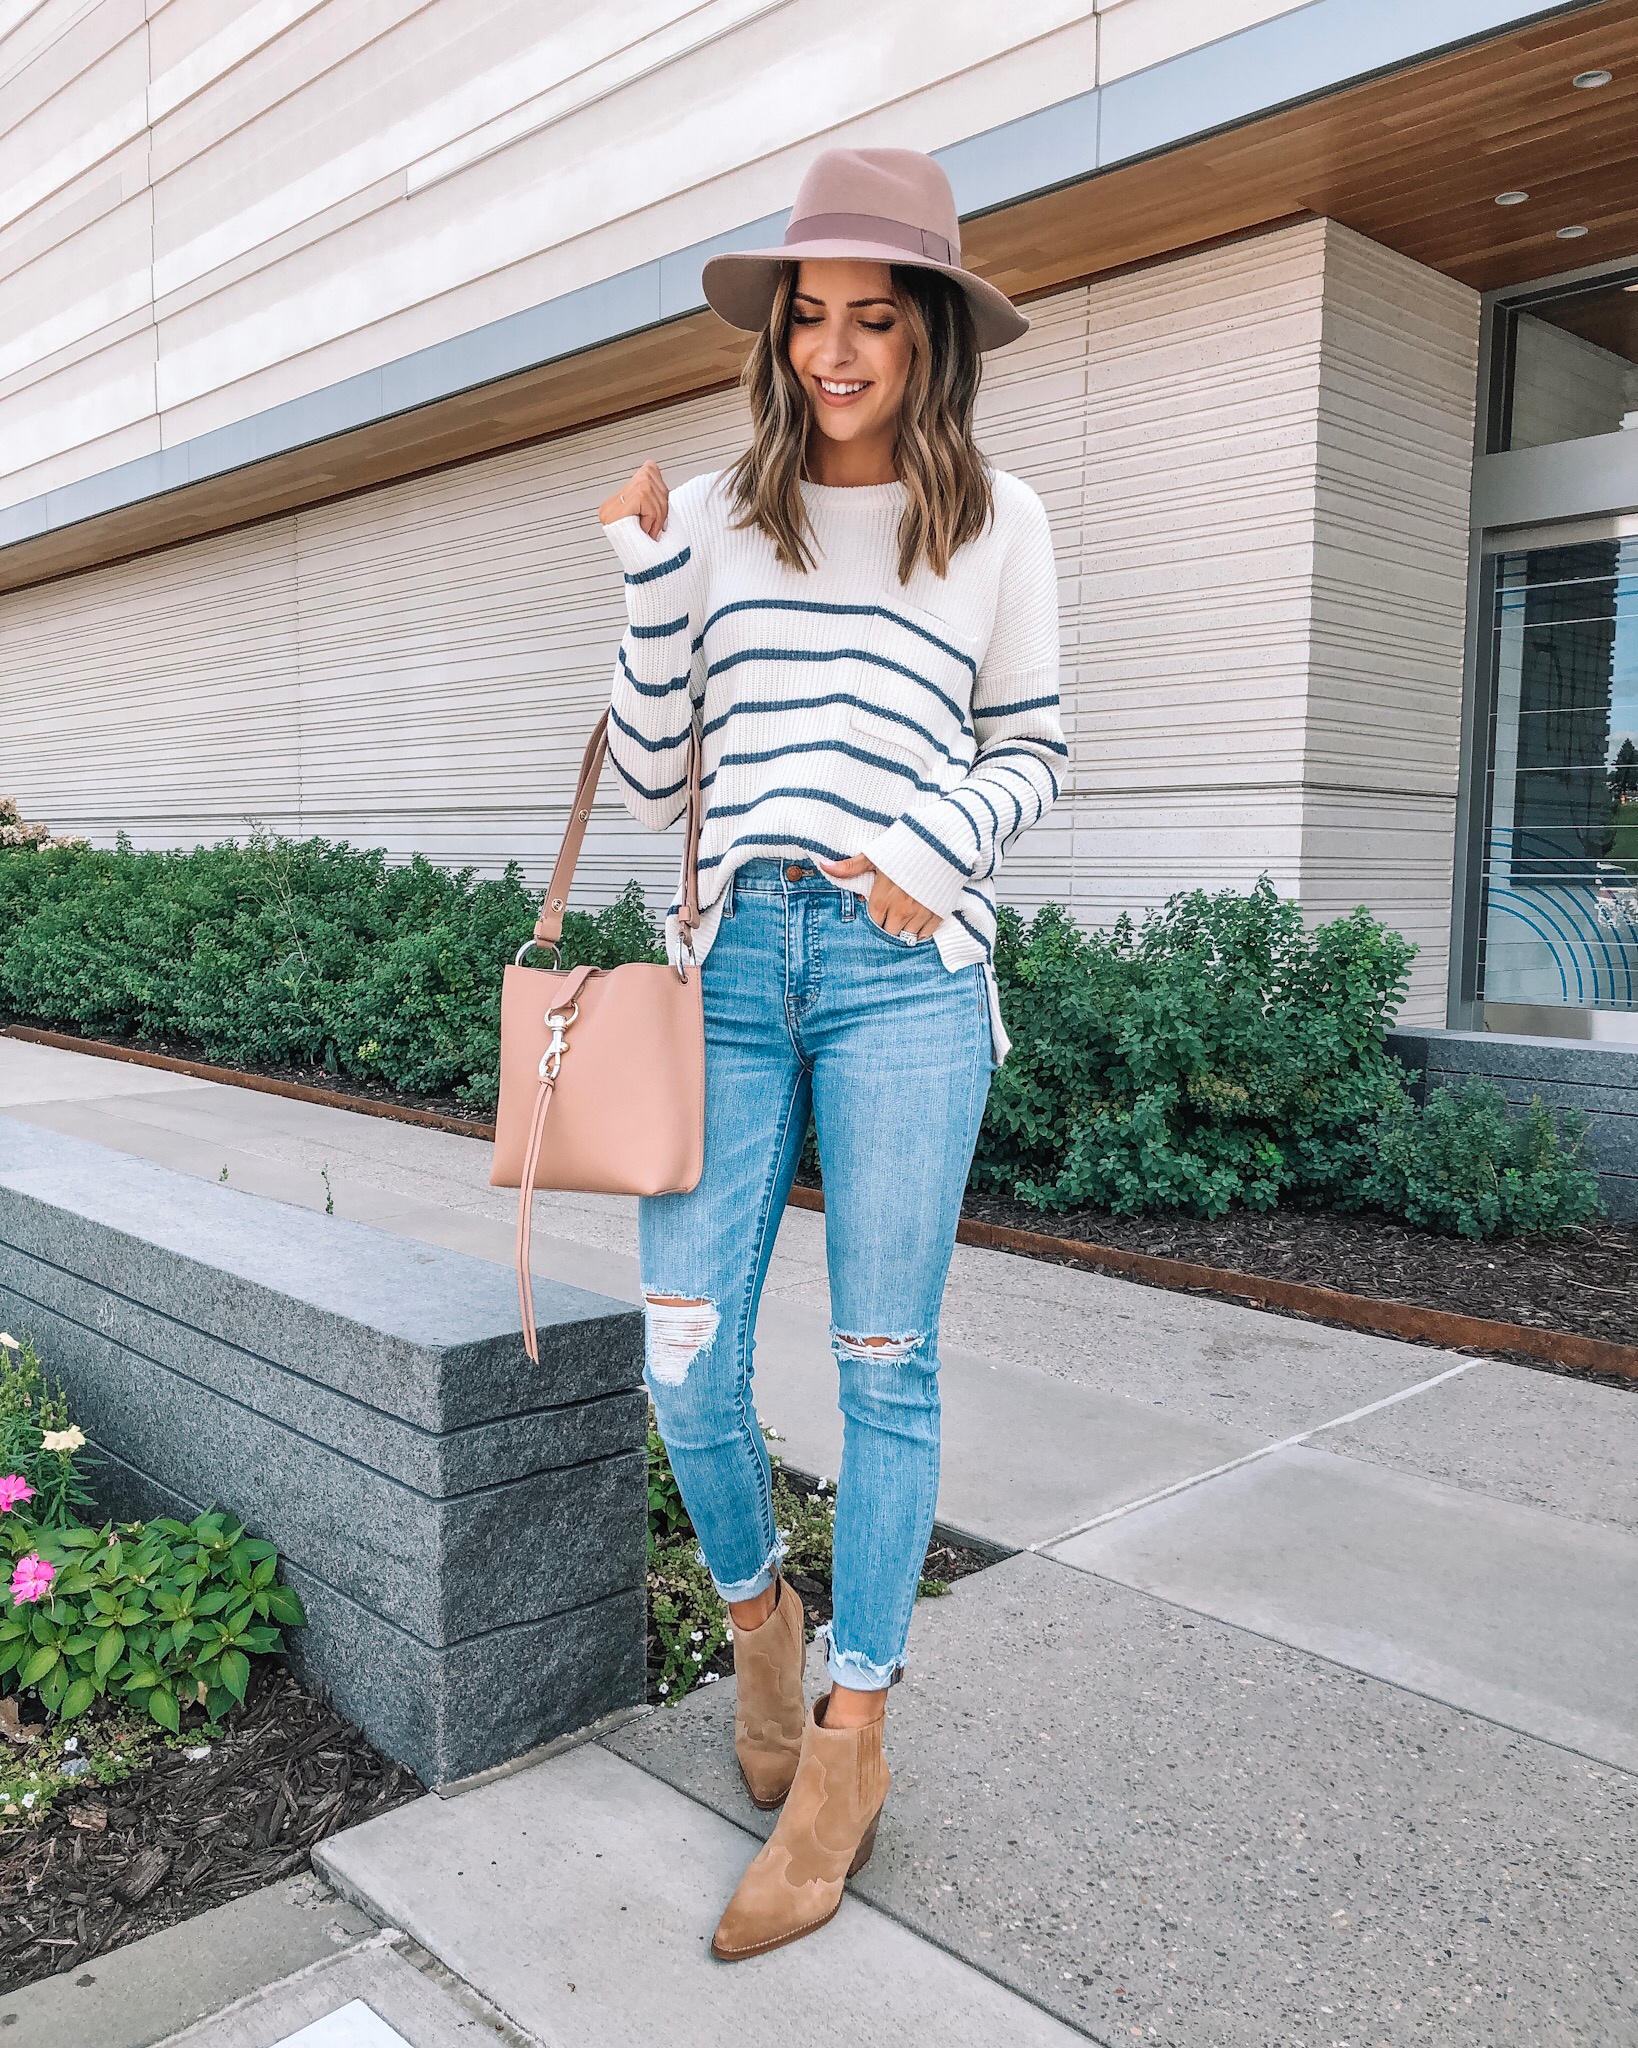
(914, 690)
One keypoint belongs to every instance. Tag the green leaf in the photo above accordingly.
(284, 1604)
(162, 1705)
(263, 1574)
(77, 1698)
(43, 1660)
(235, 1673)
(12, 1654)
(109, 1651)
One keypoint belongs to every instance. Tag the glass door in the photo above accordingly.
(1559, 913)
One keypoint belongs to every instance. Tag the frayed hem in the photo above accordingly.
(747, 1589)
(856, 1672)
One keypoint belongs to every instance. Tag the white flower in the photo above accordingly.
(63, 1439)
(665, 1688)
(699, 1656)
(823, 1483)
(28, 1798)
(696, 1635)
(73, 1742)
(8, 1342)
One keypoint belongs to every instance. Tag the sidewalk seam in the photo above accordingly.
(1286, 1443)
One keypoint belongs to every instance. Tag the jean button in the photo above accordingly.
(795, 872)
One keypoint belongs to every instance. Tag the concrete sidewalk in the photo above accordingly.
(1307, 1712)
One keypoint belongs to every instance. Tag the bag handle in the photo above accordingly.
(549, 924)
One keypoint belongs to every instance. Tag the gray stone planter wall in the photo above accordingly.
(466, 1530)
(1601, 1080)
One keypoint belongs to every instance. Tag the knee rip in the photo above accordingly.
(678, 1331)
(875, 1350)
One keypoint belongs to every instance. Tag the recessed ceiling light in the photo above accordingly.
(1511, 198)
(1569, 234)
(1588, 79)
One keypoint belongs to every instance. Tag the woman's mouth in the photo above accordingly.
(841, 391)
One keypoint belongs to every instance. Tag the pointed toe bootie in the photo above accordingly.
(825, 1833)
(768, 1704)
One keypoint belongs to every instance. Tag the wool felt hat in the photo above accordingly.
(878, 205)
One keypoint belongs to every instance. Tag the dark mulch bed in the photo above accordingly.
(945, 1561)
(1585, 1281)
(114, 1863)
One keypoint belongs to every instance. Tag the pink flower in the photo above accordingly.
(32, 1579)
(14, 1490)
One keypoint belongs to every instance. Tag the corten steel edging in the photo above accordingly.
(1297, 1297)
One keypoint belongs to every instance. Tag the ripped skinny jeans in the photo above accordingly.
(811, 1005)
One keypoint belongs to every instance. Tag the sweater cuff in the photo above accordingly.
(636, 551)
(906, 857)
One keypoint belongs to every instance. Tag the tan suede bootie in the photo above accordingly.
(825, 1833)
(768, 1706)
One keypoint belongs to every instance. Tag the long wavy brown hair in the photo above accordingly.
(946, 479)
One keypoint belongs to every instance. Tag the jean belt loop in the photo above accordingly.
(728, 896)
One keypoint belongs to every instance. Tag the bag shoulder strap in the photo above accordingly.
(549, 924)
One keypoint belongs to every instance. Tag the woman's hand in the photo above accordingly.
(892, 908)
(645, 495)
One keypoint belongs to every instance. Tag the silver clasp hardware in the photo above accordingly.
(557, 1023)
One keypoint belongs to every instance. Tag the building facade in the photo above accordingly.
(324, 328)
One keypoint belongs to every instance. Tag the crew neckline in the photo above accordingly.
(854, 494)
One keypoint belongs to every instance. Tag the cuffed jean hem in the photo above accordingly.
(748, 1589)
(849, 1668)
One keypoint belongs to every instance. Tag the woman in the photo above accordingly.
(862, 618)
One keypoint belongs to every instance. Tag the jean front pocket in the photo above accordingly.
(897, 940)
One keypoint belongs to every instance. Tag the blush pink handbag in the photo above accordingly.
(602, 1069)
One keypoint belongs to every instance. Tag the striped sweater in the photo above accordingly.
(842, 713)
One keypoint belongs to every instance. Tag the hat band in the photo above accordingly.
(872, 227)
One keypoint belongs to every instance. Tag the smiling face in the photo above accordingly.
(849, 346)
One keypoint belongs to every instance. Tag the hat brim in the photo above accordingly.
(739, 284)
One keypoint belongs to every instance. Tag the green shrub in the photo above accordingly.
(1221, 1053)
(1466, 1163)
(286, 953)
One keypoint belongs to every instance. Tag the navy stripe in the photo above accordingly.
(827, 746)
(995, 819)
(1001, 754)
(989, 950)
(1011, 710)
(762, 704)
(878, 611)
(651, 689)
(654, 796)
(659, 632)
(815, 796)
(937, 845)
(841, 654)
(967, 819)
(659, 568)
(782, 839)
(649, 746)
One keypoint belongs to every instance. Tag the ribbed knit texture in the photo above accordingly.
(843, 713)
